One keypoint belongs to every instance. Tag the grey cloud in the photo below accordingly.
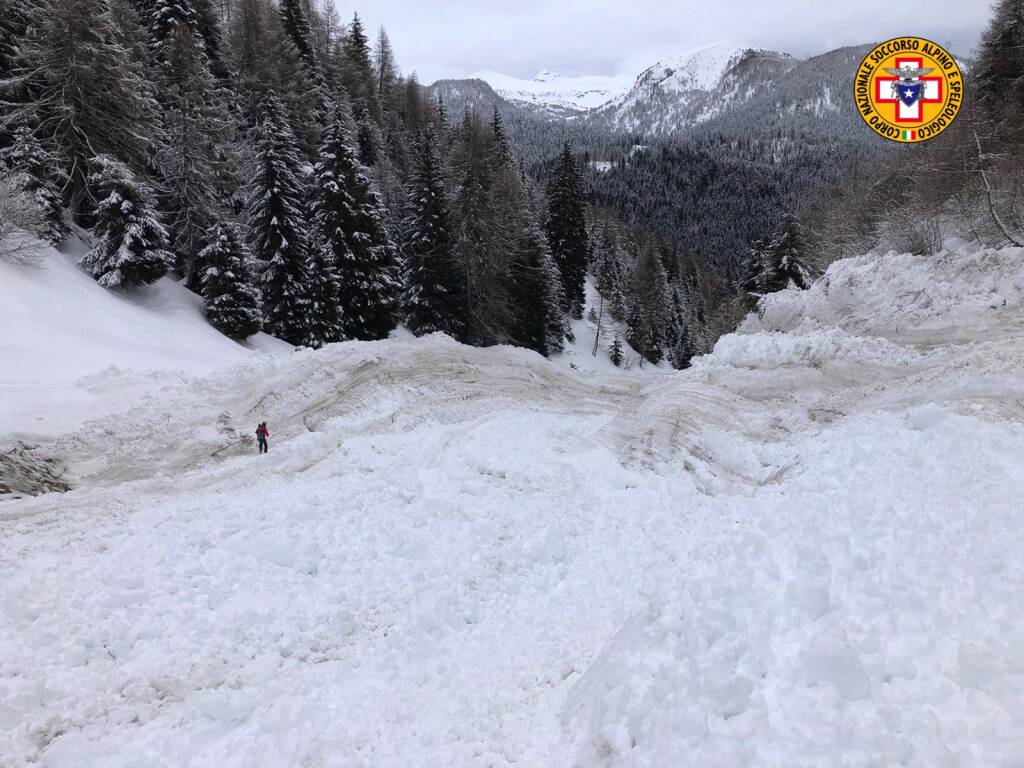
(457, 37)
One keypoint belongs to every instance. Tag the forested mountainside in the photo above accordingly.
(279, 162)
(711, 150)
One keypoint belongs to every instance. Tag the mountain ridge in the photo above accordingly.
(677, 93)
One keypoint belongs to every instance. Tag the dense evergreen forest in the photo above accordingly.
(276, 159)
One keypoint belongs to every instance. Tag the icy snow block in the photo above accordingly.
(839, 667)
(809, 598)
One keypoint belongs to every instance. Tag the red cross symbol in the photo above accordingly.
(884, 93)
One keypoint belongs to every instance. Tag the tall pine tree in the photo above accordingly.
(483, 225)
(434, 284)
(88, 99)
(17, 17)
(325, 325)
(609, 272)
(539, 321)
(231, 299)
(277, 227)
(38, 176)
(132, 246)
(296, 24)
(775, 264)
(349, 218)
(196, 133)
(649, 316)
(566, 228)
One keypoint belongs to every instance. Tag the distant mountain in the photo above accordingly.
(679, 93)
(470, 93)
(558, 95)
(713, 85)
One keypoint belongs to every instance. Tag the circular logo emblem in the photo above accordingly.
(908, 89)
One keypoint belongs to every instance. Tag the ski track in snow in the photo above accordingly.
(805, 551)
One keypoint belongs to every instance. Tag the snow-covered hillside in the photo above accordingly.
(803, 551)
(60, 326)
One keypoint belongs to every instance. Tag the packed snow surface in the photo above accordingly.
(803, 551)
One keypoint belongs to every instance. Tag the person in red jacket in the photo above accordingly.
(262, 433)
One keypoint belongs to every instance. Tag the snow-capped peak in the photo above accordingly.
(697, 70)
(552, 90)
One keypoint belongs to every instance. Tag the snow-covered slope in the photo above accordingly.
(579, 352)
(560, 95)
(803, 551)
(59, 326)
(698, 70)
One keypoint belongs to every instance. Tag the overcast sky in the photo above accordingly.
(454, 38)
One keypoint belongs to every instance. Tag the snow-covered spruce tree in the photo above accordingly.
(17, 17)
(132, 247)
(231, 298)
(780, 262)
(164, 17)
(190, 159)
(435, 294)
(566, 229)
(209, 27)
(609, 272)
(268, 65)
(755, 271)
(277, 227)
(37, 175)
(299, 32)
(556, 322)
(88, 98)
(789, 252)
(538, 320)
(297, 26)
(649, 312)
(349, 218)
(325, 319)
(358, 77)
(486, 214)
(615, 353)
(368, 137)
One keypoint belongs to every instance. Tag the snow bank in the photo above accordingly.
(851, 609)
(887, 293)
(805, 347)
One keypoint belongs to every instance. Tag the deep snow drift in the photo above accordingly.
(805, 551)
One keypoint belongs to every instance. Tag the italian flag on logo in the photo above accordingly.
(909, 135)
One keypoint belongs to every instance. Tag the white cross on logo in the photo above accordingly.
(931, 93)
